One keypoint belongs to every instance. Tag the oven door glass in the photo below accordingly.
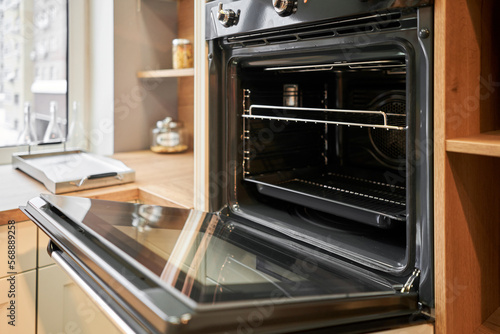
(169, 269)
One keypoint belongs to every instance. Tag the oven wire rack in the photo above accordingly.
(359, 193)
(362, 118)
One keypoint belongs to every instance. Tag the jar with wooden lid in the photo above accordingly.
(169, 136)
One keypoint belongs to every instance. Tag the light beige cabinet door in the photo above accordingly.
(23, 310)
(64, 308)
(43, 257)
(24, 234)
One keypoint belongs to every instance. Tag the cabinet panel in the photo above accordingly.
(145, 38)
(466, 164)
(25, 301)
(64, 308)
(43, 257)
(420, 329)
(25, 243)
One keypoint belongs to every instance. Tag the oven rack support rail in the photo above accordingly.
(363, 118)
(358, 65)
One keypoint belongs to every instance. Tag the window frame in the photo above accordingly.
(90, 78)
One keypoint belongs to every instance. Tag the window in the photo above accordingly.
(33, 71)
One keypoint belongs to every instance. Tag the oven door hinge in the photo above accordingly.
(411, 282)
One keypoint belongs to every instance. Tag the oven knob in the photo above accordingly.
(228, 17)
(285, 7)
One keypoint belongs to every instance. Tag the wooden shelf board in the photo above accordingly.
(487, 144)
(491, 325)
(184, 72)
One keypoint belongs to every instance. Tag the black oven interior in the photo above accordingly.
(339, 144)
(320, 147)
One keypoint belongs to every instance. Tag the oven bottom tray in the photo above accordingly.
(345, 195)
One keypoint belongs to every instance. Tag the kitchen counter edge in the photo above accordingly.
(162, 179)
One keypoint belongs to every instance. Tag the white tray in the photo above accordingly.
(75, 170)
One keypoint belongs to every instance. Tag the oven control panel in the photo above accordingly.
(236, 17)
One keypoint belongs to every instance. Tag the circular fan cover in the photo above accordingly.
(390, 144)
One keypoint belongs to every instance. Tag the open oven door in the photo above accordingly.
(169, 270)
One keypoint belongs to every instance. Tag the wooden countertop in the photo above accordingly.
(163, 179)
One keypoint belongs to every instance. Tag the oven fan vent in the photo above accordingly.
(390, 145)
(364, 25)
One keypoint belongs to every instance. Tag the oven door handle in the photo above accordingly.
(58, 257)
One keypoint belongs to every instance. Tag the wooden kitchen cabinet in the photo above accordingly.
(146, 88)
(25, 301)
(64, 308)
(24, 281)
(185, 77)
(25, 241)
(467, 166)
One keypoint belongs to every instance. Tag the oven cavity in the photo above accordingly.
(329, 136)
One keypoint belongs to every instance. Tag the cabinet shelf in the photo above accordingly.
(171, 73)
(491, 325)
(487, 144)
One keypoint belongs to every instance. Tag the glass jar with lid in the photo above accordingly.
(169, 136)
(182, 53)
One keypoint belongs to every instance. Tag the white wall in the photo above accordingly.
(101, 84)
(78, 71)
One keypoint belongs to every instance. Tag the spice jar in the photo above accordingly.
(169, 137)
(290, 95)
(182, 53)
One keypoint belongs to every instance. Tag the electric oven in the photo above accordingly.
(320, 136)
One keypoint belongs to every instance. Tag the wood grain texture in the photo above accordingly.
(490, 67)
(487, 144)
(420, 329)
(170, 73)
(492, 325)
(168, 176)
(185, 105)
(473, 238)
(467, 196)
(185, 85)
(160, 179)
(462, 66)
(185, 19)
(439, 165)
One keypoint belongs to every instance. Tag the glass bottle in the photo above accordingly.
(169, 137)
(53, 132)
(75, 130)
(28, 134)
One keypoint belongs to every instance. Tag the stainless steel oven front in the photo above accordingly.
(324, 110)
